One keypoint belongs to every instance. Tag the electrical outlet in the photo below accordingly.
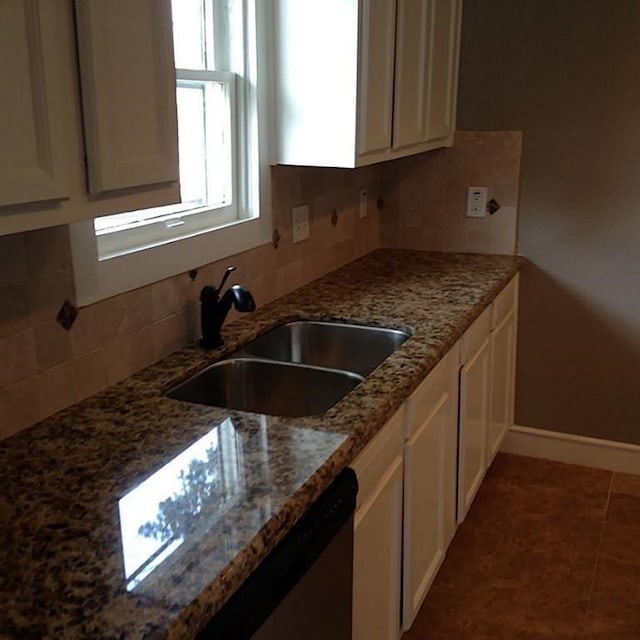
(363, 203)
(300, 223)
(477, 202)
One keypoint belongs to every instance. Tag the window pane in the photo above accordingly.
(219, 168)
(192, 143)
(189, 33)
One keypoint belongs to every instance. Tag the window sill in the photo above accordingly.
(99, 279)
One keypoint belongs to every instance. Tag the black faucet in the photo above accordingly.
(214, 309)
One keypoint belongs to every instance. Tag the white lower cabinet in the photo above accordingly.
(487, 389)
(503, 363)
(378, 536)
(429, 482)
(473, 411)
(419, 475)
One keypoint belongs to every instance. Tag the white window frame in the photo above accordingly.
(97, 279)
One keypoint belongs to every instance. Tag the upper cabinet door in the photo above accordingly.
(413, 58)
(128, 83)
(375, 85)
(443, 75)
(426, 72)
(30, 162)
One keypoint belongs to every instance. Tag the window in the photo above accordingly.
(224, 204)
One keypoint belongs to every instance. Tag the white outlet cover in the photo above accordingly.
(300, 223)
(476, 202)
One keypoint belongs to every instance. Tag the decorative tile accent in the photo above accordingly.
(67, 315)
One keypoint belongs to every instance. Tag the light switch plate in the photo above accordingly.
(363, 203)
(300, 223)
(477, 202)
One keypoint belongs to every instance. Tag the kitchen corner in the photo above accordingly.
(66, 479)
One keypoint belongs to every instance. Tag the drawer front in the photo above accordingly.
(372, 463)
(506, 301)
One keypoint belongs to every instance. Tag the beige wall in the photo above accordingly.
(568, 75)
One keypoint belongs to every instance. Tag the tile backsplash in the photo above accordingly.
(430, 193)
(45, 368)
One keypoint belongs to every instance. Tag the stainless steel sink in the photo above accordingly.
(334, 345)
(273, 388)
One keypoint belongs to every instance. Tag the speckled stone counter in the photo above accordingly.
(131, 515)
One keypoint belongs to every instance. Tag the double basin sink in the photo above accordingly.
(298, 369)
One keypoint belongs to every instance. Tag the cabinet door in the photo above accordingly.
(503, 348)
(413, 57)
(473, 425)
(443, 72)
(375, 75)
(426, 71)
(377, 560)
(128, 93)
(424, 543)
(30, 126)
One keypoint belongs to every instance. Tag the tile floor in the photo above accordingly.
(548, 551)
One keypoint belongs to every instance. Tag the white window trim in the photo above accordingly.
(99, 279)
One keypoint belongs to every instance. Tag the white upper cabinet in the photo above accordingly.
(120, 80)
(30, 163)
(375, 63)
(443, 70)
(88, 115)
(426, 72)
(413, 58)
(362, 81)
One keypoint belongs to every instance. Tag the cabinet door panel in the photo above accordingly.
(474, 416)
(128, 93)
(375, 86)
(29, 123)
(413, 57)
(424, 545)
(503, 344)
(376, 560)
(443, 76)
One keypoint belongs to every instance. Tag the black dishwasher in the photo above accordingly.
(303, 588)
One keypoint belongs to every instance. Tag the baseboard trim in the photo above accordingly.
(573, 449)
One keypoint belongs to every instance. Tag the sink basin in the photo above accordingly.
(273, 388)
(334, 345)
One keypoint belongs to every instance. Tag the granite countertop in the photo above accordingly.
(131, 515)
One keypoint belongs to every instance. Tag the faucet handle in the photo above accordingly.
(227, 273)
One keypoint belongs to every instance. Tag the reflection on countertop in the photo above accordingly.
(181, 501)
(194, 496)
